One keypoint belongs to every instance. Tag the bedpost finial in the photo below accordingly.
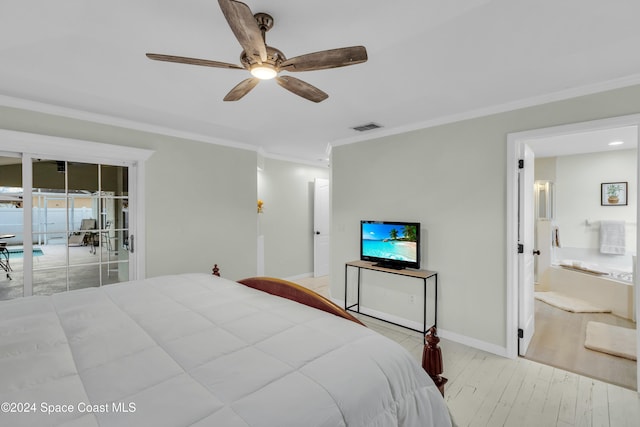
(432, 337)
(432, 354)
(216, 270)
(432, 358)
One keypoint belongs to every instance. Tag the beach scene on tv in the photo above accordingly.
(389, 241)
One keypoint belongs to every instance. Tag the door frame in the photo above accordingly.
(31, 146)
(514, 140)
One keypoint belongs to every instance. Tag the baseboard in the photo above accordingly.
(442, 333)
(472, 342)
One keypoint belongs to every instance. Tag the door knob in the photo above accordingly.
(536, 252)
(317, 232)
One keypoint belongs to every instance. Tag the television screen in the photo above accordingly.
(391, 244)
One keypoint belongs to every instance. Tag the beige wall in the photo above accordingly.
(545, 169)
(200, 198)
(451, 178)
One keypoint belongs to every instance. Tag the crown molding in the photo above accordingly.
(56, 110)
(496, 109)
(105, 119)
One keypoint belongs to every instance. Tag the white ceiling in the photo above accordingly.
(626, 138)
(429, 62)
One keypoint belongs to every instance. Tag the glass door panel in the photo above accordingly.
(86, 276)
(50, 228)
(11, 229)
(114, 186)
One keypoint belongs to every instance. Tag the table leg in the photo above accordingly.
(424, 309)
(435, 302)
(358, 290)
(346, 267)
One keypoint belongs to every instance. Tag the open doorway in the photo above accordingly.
(568, 213)
(582, 285)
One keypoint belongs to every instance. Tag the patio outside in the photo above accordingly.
(51, 274)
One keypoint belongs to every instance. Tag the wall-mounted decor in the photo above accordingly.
(613, 194)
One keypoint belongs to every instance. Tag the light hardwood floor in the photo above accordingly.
(559, 341)
(489, 390)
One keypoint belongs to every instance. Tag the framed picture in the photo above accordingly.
(613, 194)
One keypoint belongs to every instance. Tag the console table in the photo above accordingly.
(418, 274)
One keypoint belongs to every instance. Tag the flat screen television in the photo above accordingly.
(390, 244)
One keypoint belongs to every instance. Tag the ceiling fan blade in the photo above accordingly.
(245, 28)
(241, 89)
(192, 61)
(301, 88)
(322, 60)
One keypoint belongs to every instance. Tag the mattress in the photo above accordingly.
(199, 350)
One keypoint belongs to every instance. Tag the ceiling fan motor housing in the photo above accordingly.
(274, 58)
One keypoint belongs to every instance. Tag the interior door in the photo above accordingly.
(526, 307)
(321, 228)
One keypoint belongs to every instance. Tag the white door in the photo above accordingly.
(526, 307)
(321, 228)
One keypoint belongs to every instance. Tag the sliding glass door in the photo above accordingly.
(67, 226)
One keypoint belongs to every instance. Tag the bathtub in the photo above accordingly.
(601, 286)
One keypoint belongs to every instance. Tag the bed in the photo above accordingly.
(200, 350)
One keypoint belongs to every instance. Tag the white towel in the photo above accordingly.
(555, 236)
(612, 237)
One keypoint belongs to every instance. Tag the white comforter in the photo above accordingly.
(197, 350)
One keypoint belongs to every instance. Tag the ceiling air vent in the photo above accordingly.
(369, 126)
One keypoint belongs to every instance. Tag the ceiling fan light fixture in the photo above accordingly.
(265, 62)
(263, 71)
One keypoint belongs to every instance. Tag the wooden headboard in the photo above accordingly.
(295, 292)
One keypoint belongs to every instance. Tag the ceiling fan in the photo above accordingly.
(266, 62)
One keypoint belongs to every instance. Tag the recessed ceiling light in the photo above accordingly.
(616, 143)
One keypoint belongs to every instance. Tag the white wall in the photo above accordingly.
(286, 188)
(200, 198)
(578, 179)
(451, 178)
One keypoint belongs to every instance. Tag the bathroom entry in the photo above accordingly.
(566, 236)
(546, 232)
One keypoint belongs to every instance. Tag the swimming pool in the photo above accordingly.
(19, 253)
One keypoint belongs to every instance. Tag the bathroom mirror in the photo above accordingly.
(544, 194)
